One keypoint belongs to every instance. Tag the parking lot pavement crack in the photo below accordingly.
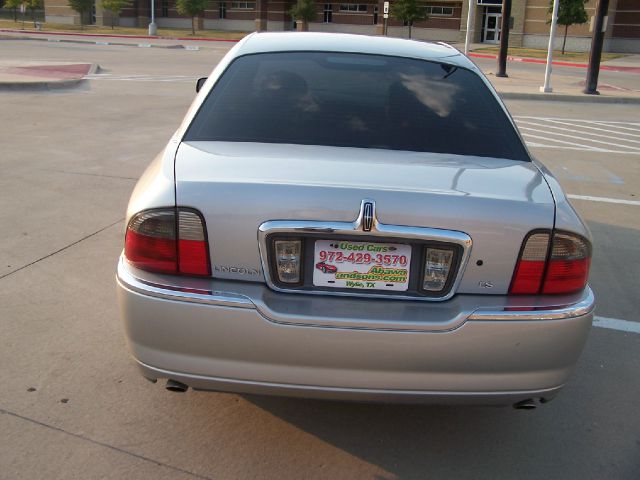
(61, 249)
(93, 174)
(102, 444)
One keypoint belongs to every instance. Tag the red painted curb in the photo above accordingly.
(53, 72)
(115, 35)
(559, 64)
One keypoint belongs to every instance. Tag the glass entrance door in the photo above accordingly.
(492, 27)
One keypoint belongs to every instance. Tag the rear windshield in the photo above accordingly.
(356, 100)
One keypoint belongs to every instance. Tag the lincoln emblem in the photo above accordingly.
(367, 216)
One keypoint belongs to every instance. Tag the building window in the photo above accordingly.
(164, 8)
(328, 13)
(353, 7)
(375, 15)
(243, 5)
(438, 11)
(222, 10)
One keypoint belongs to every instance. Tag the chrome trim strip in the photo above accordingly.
(168, 292)
(356, 228)
(583, 307)
(229, 299)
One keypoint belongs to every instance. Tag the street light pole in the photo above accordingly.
(546, 88)
(467, 37)
(153, 28)
(596, 47)
(504, 38)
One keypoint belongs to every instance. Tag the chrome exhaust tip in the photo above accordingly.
(174, 386)
(528, 404)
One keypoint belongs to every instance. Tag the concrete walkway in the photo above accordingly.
(526, 86)
(521, 83)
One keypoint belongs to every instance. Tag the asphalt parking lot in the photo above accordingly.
(72, 404)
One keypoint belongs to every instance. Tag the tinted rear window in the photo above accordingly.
(354, 100)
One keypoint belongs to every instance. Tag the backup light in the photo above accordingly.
(193, 250)
(287, 256)
(530, 268)
(437, 265)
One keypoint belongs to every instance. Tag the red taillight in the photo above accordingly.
(563, 268)
(568, 264)
(530, 267)
(150, 242)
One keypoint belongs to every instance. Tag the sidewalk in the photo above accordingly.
(519, 84)
(526, 85)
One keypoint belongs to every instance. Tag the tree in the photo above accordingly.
(34, 5)
(115, 7)
(408, 11)
(570, 12)
(81, 6)
(13, 5)
(192, 8)
(304, 11)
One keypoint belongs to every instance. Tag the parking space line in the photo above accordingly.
(564, 129)
(140, 78)
(612, 122)
(616, 324)
(610, 144)
(579, 145)
(580, 148)
(604, 199)
(624, 128)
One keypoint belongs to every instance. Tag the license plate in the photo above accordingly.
(361, 265)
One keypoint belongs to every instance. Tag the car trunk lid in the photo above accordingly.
(239, 186)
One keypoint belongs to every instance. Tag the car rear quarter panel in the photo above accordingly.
(566, 216)
(156, 186)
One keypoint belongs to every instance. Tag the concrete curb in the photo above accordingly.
(39, 85)
(115, 35)
(94, 42)
(540, 61)
(44, 85)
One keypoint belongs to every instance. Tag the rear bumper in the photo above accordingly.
(253, 340)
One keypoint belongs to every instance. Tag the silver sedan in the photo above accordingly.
(353, 217)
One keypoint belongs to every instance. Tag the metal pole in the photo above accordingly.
(546, 88)
(470, 15)
(153, 28)
(504, 39)
(596, 47)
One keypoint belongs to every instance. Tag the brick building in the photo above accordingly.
(447, 20)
